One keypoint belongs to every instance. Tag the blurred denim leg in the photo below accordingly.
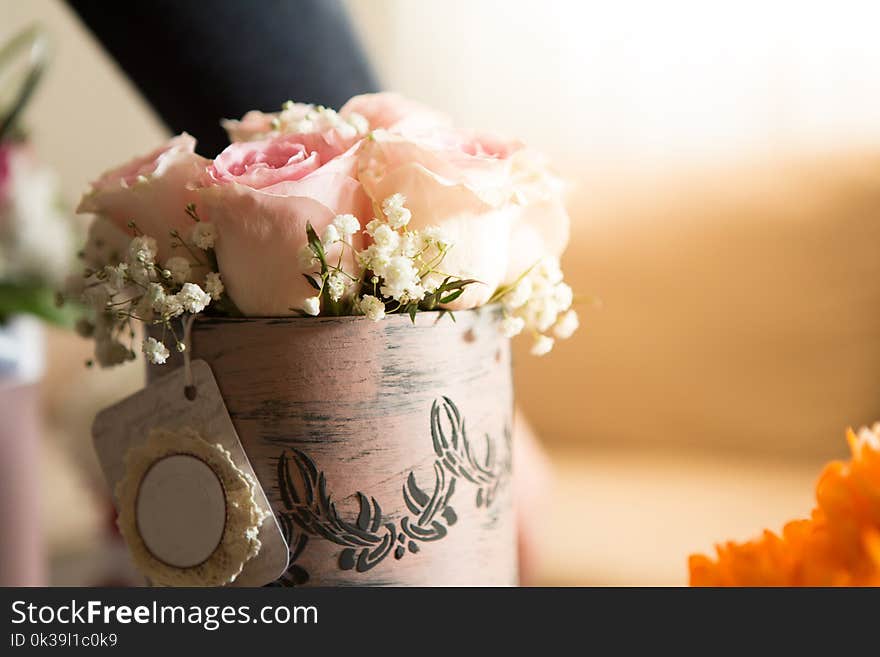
(196, 62)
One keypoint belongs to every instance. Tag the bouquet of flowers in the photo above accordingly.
(37, 237)
(382, 207)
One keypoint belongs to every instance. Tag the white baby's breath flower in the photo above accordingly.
(214, 285)
(204, 235)
(303, 126)
(431, 282)
(519, 295)
(307, 257)
(331, 235)
(411, 244)
(542, 345)
(140, 273)
(193, 298)
(566, 325)
(437, 235)
(563, 296)
(346, 130)
(545, 312)
(155, 352)
(167, 306)
(155, 293)
(180, 269)
(394, 210)
(142, 249)
(385, 238)
(372, 225)
(346, 224)
(400, 279)
(116, 277)
(336, 285)
(312, 305)
(512, 326)
(375, 259)
(548, 269)
(372, 307)
(359, 122)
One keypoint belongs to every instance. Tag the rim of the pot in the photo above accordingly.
(432, 316)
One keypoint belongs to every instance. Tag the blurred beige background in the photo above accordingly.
(725, 197)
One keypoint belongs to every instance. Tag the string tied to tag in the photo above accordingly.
(189, 388)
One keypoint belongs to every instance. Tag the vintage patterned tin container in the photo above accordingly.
(384, 447)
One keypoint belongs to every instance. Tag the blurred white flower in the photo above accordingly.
(346, 224)
(372, 307)
(312, 305)
(567, 325)
(336, 285)
(395, 211)
(204, 235)
(512, 326)
(143, 249)
(306, 257)
(542, 345)
(180, 269)
(214, 285)
(156, 352)
(331, 235)
(193, 298)
(401, 280)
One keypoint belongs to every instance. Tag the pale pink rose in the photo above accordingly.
(259, 164)
(324, 129)
(542, 225)
(153, 191)
(253, 125)
(396, 113)
(261, 195)
(487, 195)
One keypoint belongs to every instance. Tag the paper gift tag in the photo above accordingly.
(180, 506)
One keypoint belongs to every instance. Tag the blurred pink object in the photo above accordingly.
(5, 167)
(532, 490)
(22, 549)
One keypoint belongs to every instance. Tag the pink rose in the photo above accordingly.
(495, 201)
(541, 224)
(153, 191)
(253, 125)
(260, 195)
(325, 129)
(395, 113)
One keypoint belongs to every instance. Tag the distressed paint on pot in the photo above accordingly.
(384, 447)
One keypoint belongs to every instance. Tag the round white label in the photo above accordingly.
(181, 510)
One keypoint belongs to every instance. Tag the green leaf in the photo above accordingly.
(429, 302)
(504, 289)
(452, 297)
(312, 281)
(314, 241)
(34, 299)
(413, 309)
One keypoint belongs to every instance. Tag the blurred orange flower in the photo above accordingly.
(839, 545)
